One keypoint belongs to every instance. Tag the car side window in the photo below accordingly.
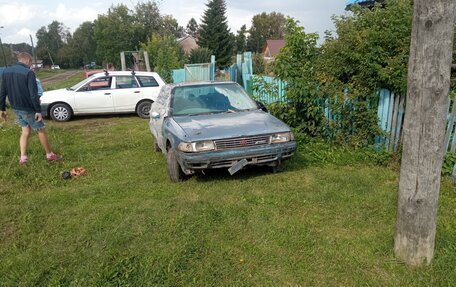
(147, 81)
(126, 82)
(103, 83)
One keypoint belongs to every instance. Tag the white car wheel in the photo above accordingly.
(61, 113)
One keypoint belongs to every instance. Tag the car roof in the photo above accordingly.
(124, 73)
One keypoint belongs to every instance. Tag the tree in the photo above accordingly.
(241, 42)
(369, 52)
(50, 40)
(265, 27)
(82, 46)
(424, 128)
(199, 55)
(214, 33)
(294, 65)
(165, 54)
(192, 28)
(115, 33)
(170, 26)
(147, 20)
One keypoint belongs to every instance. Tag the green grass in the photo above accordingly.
(45, 74)
(328, 220)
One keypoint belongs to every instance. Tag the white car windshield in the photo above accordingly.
(206, 99)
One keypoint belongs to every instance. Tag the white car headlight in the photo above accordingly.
(196, 146)
(282, 137)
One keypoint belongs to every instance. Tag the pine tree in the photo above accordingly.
(214, 33)
(241, 39)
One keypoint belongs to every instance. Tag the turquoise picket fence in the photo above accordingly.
(195, 72)
(391, 110)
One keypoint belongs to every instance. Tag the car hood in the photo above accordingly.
(230, 125)
(54, 95)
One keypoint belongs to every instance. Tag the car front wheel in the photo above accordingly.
(156, 147)
(143, 109)
(174, 170)
(61, 113)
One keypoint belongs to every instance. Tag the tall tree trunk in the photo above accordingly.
(424, 129)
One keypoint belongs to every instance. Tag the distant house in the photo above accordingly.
(272, 48)
(39, 64)
(188, 43)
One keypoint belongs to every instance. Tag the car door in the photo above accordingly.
(126, 93)
(94, 97)
(149, 86)
(160, 107)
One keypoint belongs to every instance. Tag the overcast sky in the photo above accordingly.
(22, 18)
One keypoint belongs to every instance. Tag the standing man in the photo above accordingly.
(19, 83)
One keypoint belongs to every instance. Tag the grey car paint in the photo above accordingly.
(170, 130)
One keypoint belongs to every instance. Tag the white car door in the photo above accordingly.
(126, 94)
(94, 97)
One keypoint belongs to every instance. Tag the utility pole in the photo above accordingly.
(424, 129)
(3, 51)
(33, 52)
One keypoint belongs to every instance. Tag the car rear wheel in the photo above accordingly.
(61, 113)
(143, 109)
(174, 170)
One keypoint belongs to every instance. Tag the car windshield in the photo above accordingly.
(211, 98)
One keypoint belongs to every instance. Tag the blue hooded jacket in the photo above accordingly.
(19, 84)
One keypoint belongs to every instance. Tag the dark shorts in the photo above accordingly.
(27, 119)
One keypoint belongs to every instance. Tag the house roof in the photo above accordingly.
(272, 47)
(188, 43)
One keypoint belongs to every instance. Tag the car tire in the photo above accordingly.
(156, 147)
(174, 170)
(143, 109)
(60, 112)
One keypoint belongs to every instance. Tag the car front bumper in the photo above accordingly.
(261, 155)
(44, 110)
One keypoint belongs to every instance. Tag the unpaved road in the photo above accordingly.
(59, 77)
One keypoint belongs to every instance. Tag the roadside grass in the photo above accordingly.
(327, 220)
(46, 73)
(66, 82)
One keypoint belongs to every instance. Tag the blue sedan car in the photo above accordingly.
(209, 125)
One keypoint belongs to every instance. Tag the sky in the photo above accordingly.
(23, 18)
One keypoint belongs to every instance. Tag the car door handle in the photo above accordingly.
(136, 92)
(107, 93)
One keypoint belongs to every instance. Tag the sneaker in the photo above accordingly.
(54, 157)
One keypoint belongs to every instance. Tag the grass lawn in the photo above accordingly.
(327, 220)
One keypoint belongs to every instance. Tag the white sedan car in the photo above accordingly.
(104, 93)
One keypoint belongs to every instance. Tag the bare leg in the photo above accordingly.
(24, 140)
(44, 140)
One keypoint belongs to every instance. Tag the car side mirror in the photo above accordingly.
(261, 106)
(155, 115)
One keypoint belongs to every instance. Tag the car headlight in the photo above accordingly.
(282, 137)
(196, 146)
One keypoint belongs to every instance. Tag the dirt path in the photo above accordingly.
(59, 77)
